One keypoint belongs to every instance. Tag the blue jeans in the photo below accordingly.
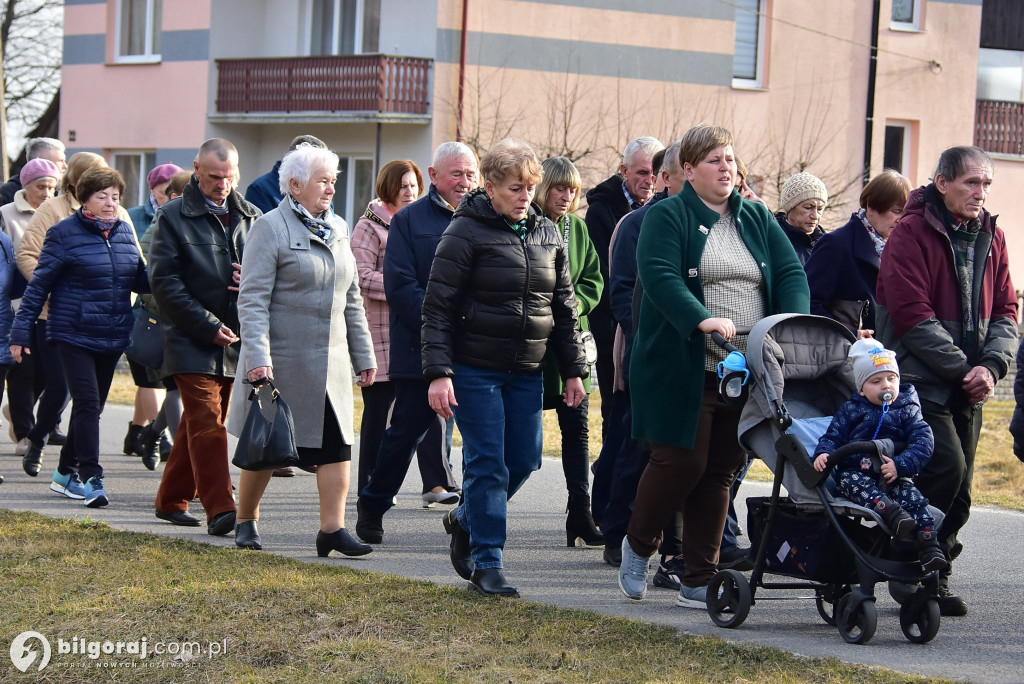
(499, 415)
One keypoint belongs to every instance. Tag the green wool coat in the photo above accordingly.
(585, 270)
(667, 365)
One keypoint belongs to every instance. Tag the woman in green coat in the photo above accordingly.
(708, 261)
(559, 195)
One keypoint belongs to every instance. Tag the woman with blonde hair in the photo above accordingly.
(499, 296)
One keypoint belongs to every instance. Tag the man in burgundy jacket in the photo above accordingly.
(948, 309)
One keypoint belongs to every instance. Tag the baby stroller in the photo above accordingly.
(800, 375)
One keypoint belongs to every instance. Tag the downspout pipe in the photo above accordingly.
(462, 70)
(869, 120)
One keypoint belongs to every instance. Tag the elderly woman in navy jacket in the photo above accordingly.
(843, 268)
(89, 266)
(11, 286)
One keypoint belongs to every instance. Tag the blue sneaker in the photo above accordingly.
(633, 572)
(692, 597)
(68, 485)
(95, 495)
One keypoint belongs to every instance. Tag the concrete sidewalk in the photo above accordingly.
(984, 646)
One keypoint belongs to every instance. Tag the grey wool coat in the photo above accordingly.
(301, 313)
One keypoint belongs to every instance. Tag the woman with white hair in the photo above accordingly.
(303, 326)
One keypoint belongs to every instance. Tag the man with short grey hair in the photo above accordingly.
(948, 309)
(50, 149)
(629, 189)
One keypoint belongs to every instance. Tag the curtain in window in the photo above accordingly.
(748, 24)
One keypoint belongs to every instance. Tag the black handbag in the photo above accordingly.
(147, 345)
(267, 444)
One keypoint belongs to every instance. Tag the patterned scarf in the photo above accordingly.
(317, 225)
(105, 226)
(876, 239)
(152, 203)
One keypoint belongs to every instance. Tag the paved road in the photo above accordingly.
(984, 646)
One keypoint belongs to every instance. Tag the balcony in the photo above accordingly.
(346, 88)
(999, 127)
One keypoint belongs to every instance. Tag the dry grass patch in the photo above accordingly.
(284, 620)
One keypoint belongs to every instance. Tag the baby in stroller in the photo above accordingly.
(883, 409)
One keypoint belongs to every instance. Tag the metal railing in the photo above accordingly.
(373, 83)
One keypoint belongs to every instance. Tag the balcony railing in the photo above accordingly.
(348, 83)
(999, 127)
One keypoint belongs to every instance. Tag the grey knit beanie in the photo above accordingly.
(801, 186)
(870, 357)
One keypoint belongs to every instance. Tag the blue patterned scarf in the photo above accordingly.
(317, 225)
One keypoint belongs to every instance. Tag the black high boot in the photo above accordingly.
(901, 523)
(133, 440)
(929, 552)
(580, 529)
(150, 439)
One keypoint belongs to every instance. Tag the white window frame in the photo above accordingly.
(357, 41)
(908, 141)
(757, 82)
(148, 56)
(350, 212)
(146, 160)
(915, 25)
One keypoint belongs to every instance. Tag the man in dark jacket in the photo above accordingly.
(265, 192)
(194, 270)
(608, 202)
(948, 309)
(412, 239)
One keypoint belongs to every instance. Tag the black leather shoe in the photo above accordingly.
(32, 461)
(221, 524)
(369, 526)
(150, 444)
(247, 536)
(735, 558)
(491, 582)
(340, 540)
(182, 518)
(613, 555)
(462, 557)
(56, 437)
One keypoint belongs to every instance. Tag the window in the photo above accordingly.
(906, 15)
(354, 189)
(133, 166)
(897, 146)
(138, 30)
(748, 56)
(334, 27)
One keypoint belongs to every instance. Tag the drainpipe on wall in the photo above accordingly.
(869, 122)
(462, 69)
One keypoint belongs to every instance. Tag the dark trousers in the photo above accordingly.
(614, 437)
(433, 461)
(88, 375)
(575, 432)
(55, 395)
(605, 367)
(25, 383)
(198, 464)
(694, 480)
(411, 419)
(946, 479)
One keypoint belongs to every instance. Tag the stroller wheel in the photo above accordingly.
(826, 601)
(919, 619)
(729, 598)
(856, 618)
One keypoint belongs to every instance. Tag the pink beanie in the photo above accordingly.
(38, 168)
(162, 174)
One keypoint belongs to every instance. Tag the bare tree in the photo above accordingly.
(31, 35)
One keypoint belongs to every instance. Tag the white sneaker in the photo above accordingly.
(447, 498)
(21, 447)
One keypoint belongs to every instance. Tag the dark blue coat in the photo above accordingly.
(12, 284)
(857, 420)
(412, 241)
(844, 265)
(89, 281)
(265, 192)
(801, 241)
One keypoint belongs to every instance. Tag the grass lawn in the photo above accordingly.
(278, 619)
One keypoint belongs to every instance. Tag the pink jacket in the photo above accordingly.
(369, 242)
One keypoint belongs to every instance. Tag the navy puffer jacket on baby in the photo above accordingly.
(857, 420)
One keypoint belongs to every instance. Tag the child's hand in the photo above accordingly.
(889, 469)
(820, 462)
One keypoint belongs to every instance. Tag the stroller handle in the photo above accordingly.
(874, 449)
(718, 339)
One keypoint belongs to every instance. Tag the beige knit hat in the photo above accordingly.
(801, 186)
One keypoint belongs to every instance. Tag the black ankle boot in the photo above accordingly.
(929, 552)
(340, 540)
(901, 523)
(369, 525)
(580, 529)
(459, 547)
(133, 440)
(492, 582)
(247, 536)
(150, 447)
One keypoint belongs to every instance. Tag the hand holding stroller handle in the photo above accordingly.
(718, 339)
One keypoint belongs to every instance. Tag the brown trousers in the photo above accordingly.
(198, 464)
(695, 481)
